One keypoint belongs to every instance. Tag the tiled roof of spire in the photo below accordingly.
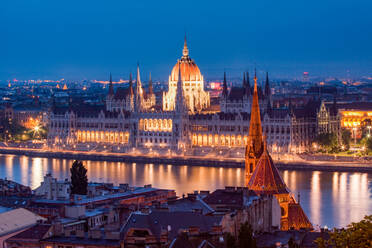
(297, 218)
(266, 178)
(255, 128)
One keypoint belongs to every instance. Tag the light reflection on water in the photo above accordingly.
(328, 198)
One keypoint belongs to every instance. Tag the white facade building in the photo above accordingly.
(131, 120)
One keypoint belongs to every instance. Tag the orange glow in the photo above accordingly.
(350, 119)
(31, 123)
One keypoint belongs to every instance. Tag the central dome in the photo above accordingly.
(189, 70)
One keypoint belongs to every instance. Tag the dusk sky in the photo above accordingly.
(88, 39)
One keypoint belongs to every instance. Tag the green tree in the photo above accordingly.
(328, 141)
(369, 144)
(79, 179)
(354, 235)
(245, 237)
(346, 138)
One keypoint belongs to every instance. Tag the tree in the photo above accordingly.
(354, 235)
(369, 144)
(328, 141)
(79, 179)
(346, 138)
(245, 236)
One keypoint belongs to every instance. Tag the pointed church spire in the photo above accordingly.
(150, 85)
(254, 147)
(244, 82)
(138, 79)
(185, 51)
(111, 87)
(224, 89)
(267, 86)
(130, 84)
(255, 128)
(138, 98)
(248, 86)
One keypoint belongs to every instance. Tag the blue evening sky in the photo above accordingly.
(52, 39)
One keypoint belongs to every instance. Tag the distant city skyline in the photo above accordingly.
(77, 40)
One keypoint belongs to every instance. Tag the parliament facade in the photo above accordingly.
(132, 120)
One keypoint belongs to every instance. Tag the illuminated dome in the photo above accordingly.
(189, 70)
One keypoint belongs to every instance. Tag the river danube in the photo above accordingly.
(333, 199)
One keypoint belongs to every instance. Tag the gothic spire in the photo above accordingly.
(130, 84)
(244, 82)
(138, 79)
(111, 87)
(255, 128)
(185, 51)
(138, 90)
(150, 85)
(248, 87)
(267, 86)
(224, 90)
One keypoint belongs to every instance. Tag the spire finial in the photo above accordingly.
(185, 51)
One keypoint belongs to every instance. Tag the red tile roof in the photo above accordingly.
(266, 178)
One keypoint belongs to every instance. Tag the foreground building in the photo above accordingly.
(262, 177)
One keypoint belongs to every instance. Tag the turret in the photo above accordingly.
(150, 85)
(248, 86)
(267, 86)
(244, 82)
(224, 90)
(130, 84)
(267, 93)
(111, 87)
(138, 92)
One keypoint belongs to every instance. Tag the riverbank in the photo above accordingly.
(189, 160)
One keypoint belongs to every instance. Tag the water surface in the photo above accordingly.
(328, 198)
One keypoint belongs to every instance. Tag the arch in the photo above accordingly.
(239, 140)
(216, 137)
(222, 140)
(205, 140)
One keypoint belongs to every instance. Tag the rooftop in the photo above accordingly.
(17, 219)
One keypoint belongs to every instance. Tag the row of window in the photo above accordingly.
(146, 140)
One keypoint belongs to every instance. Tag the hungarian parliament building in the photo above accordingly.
(132, 119)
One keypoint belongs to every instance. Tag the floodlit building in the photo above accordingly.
(132, 120)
